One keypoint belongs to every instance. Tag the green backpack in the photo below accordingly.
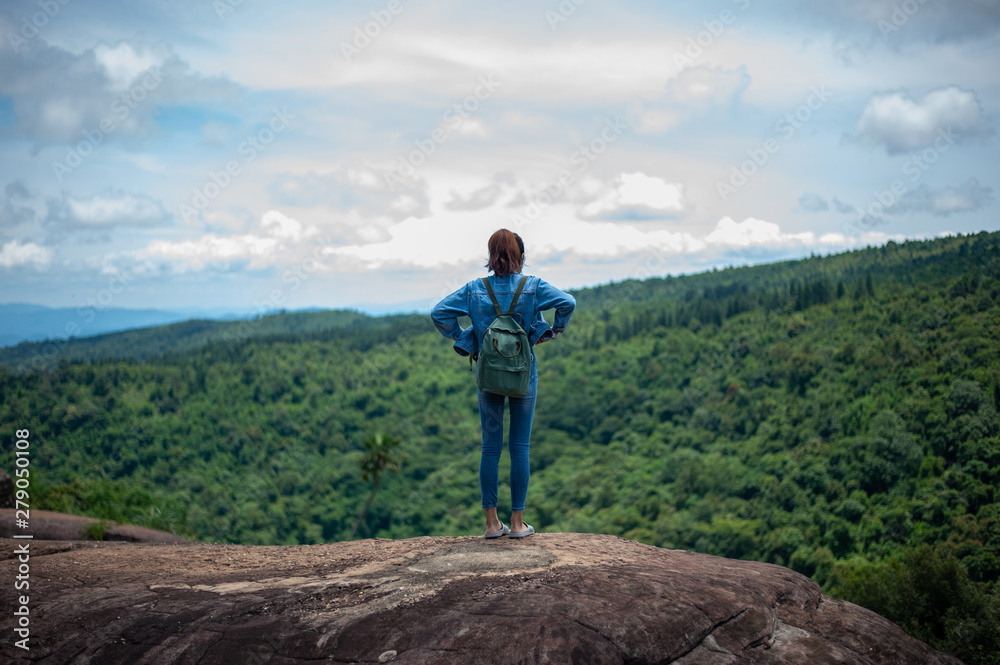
(504, 362)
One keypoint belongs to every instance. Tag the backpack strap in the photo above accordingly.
(513, 303)
(489, 289)
(517, 294)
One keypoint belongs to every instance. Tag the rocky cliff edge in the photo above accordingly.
(551, 598)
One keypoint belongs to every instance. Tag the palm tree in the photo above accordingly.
(380, 455)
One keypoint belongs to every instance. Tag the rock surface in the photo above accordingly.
(551, 598)
(49, 525)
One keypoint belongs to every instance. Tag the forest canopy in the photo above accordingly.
(836, 415)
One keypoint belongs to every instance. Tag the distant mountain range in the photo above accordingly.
(23, 322)
(141, 342)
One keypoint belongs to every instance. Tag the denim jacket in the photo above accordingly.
(473, 300)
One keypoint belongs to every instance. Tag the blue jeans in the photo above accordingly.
(522, 410)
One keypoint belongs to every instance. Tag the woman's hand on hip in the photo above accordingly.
(547, 339)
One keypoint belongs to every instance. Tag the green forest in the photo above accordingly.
(837, 415)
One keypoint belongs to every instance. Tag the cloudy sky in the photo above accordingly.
(242, 154)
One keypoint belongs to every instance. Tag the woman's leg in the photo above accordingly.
(522, 412)
(491, 419)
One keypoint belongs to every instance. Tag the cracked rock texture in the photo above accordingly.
(550, 598)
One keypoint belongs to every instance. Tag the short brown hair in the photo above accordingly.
(506, 253)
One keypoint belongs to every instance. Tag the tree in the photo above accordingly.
(380, 455)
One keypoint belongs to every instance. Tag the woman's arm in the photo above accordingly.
(549, 297)
(445, 314)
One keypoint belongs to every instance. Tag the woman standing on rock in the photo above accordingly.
(473, 300)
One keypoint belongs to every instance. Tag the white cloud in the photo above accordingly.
(834, 239)
(647, 119)
(873, 21)
(755, 232)
(458, 239)
(281, 226)
(279, 241)
(19, 208)
(360, 189)
(943, 202)
(904, 125)
(364, 178)
(14, 254)
(425, 243)
(694, 92)
(57, 94)
(123, 64)
(708, 85)
(609, 239)
(231, 219)
(212, 248)
(356, 120)
(639, 189)
(443, 62)
(472, 127)
(480, 198)
(110, 208)
(837, 241)
(525, 122)
(637, 195)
